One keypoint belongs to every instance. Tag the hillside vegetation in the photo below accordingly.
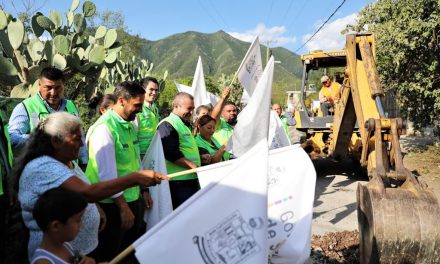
(221, 54)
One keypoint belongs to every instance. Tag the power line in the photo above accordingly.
(287, 11)
(219, 14)
(323, 24)
(295, 17)
(268, 14)
(209, 14)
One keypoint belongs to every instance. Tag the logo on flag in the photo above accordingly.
(232, 241)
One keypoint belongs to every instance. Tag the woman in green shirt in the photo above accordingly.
(211, 151)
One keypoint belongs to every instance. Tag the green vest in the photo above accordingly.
(223, 132)
(5, 153)
(187, 145)
(211, 148)
(147, 125)
(36, 109)
(126, 150)
(284, 121)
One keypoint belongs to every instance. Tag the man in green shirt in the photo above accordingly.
(49, 99)
(226, 122)
(286, 118)
(148, 119)
(114, 152)
(180, 148)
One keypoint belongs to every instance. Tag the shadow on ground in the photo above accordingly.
(348, 173)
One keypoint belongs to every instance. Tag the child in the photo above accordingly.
(58, 213)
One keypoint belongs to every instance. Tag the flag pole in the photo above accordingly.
(122, 255)
(180, 173)
(235, 78)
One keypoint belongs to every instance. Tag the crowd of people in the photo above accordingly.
(83, 195)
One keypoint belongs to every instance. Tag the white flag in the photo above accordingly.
(253, 122)
(154, 159)
(277, 135)
(226, 222)
(250, 70)
(213, 99)
(184, 88)
(291, 182)
(200, 94)
(214, 172)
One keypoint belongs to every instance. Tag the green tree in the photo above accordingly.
(408, 53)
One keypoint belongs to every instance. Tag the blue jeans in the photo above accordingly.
(325, 108)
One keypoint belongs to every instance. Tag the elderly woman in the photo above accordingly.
(211, 151)
(47, 162)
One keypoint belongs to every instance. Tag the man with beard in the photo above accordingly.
(180, 148)
(50, 98)
(114, 152)
(224, 124)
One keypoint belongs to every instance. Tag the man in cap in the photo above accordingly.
(328, 95)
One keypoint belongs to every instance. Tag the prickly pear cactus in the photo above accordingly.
(131, 70)
(61, 42)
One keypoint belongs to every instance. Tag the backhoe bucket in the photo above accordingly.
(398, 225)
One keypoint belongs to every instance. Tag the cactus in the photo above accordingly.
(79, 23)
(6, 45)
(45, 23)
(61, 44)
(59, 62)
(3, 20)
(55, 17)
(20, 91)
(89, 8)
(100, 32)
(36, 28)
(69, 48)
(97, 54)
(16, 33)
(70, 18)
(110, 38)
(7, 67)
(74, 6)
(111, 57)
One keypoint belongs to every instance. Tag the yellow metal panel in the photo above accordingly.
(368, 105)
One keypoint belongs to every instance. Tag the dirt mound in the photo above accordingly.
(336, 247)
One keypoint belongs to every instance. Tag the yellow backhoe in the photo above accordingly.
(398, 215)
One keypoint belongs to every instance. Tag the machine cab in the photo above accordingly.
(316, 64)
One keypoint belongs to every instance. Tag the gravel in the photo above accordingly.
(335, 247)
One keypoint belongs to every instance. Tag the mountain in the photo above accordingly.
(221, 53)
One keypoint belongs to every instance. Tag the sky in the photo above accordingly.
(286, 23)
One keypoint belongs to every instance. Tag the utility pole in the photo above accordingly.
(268, 51)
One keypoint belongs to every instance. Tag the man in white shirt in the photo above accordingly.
(114, 152)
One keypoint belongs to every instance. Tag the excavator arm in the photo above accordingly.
(398, 216)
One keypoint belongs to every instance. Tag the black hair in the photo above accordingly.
(228, 102)
(52, 73)
(57, 204)
(203, 120)
(128, 90)
(148, 79)
(100, 100)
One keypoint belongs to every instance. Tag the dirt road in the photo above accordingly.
(334, 226)
(335, 238)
